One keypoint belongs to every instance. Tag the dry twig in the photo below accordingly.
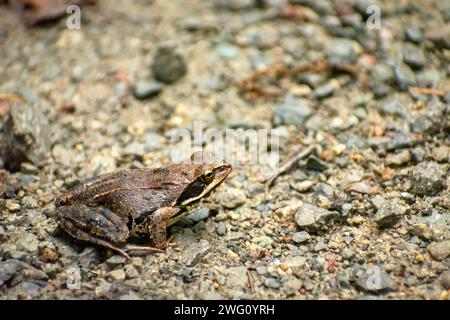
(252, 87)
(427, 91)
(290, 163)
(251, 284)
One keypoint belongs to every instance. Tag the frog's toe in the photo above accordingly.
(131, 247)
(168, 244)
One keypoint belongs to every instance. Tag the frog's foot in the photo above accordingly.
(168, 244)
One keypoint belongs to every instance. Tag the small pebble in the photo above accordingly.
(118, 275)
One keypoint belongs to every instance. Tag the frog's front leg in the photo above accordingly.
(97, 225)
(157, 227)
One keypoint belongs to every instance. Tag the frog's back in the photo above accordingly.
(135, 191)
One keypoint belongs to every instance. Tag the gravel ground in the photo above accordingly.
(365, 218)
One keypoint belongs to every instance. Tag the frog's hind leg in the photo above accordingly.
(79, 234)
(96, 225)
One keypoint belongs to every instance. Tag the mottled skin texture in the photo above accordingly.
(109, 209)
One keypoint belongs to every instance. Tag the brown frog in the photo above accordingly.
(137, 202)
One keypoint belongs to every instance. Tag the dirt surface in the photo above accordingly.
(367, 217)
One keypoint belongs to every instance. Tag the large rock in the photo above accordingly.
(231, 198)
(292, 111)
(439, 250)
(310, 217)
(389, 212)
(7, 270)
(25, 136)
(168, 65)
(342, 52)
(427, 179)
(376, 280)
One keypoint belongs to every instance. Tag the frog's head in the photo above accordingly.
(206, 174)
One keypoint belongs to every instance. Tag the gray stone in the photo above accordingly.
(440, 36)
(427, 178)
(447, 98)
(28, 290)
(227, 50)
(446, 13)
(363, 187)
(29, 168)
(196, 215)
(291, 111)
(310, 217)
(315, 164)
(422, 125)
(375, 279)
(296, 263)
(344, 279)
(168, 66)
(421, 230)
(28, 242)
(145, 89)
(348, 254)
(234, 5)
(441, 154)
(7, 270)
(135, 149)
(116, 260)
(272, 283)
(309, 285)
(383, 72)
(320, 246)
(131, 295)
(302, 186)
(324, 189)
(311, 79)
(231, 198)
(413, 56)
(237, 281)
(398, 159)
(417, 154)
(28, 202)
(152, 142)
(439, 250)
(325, 90)
(342, 52)
(389, 213)
(429, 77)
(300, 237)
(404, 76)
(352, 140)
(445, 280)
(393, 106)
(413, 34)
(292, 287)
(194, 252)
(221, 229)
(25, 136)
(118, 275)
(399, 141)
(346, 208)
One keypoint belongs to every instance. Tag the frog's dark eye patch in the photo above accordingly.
(194, 190)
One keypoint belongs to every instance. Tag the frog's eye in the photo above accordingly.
(208, 176)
